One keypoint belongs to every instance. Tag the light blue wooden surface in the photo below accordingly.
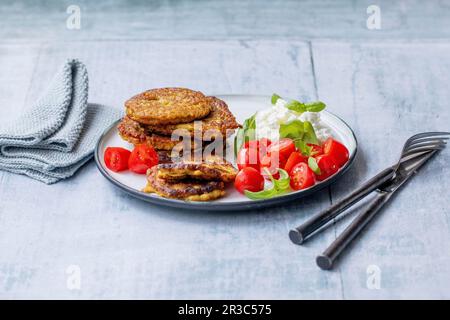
(224, 19)
(386, 87)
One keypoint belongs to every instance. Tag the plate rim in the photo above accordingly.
(223, 206)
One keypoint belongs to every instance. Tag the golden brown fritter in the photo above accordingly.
(211, 168)
(132, 131)
(189, 190)
(135, 133)
(168, 106)
(219, 120)
(166, 143)
(164, 156)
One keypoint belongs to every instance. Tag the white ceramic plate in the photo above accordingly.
(242, 106)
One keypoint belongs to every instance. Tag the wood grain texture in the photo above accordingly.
(386, 88)
(130, 249)
(388, 92)
(224, 19)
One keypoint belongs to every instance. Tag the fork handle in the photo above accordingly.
(299, 234)
(326, 260)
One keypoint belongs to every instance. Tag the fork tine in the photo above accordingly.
(408, 146)
(413, 155)
(415, 163)
(422, 149)
(432, 133)
(412, 139)
(428, 139)
(429, 134)
(422, 137)
(436, 135)
(426, 144)
(425, 147)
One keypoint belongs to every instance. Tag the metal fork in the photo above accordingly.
(384, 193)
(416, 146)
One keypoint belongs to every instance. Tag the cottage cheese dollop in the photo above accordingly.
(268, 121)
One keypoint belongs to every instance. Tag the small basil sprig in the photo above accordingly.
(299, 131)
(315, 106)
(303, 147)
(302, 133)
(299, 107)
(274, 98)
(245, 134)
(278, 187)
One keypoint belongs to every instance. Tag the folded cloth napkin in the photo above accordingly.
(57, 135)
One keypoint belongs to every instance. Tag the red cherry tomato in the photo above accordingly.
(316, 150)
(248, 157)
(336, 150)
(116, 159)
(249, 179)
(327, 165)
(251, 144)
(283, 146)
(272, 162)
(294, 158)
(302, 176)
(142, 158)
(263, 144)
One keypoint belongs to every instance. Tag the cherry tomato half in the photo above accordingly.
(251, 153)
(302, 176)
(294, 158)
(249, 179)
(263, 144)
(283, 146)
(248, 157)
(116, 159)
(142, 158)
(251, 144)
(272, 162)
(316, 150)
(327, 165)
(336, 150)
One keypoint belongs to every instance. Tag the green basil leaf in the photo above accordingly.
(316, 106)
(312, 163)
(293, 130)
(310, 134)
(296, 106)
(245, 134)
(302, 133)
(303, 147)
(274, 98)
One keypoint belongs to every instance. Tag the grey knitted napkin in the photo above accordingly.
(57, 135)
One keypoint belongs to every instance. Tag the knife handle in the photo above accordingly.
(299, 234)
(326, 260)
